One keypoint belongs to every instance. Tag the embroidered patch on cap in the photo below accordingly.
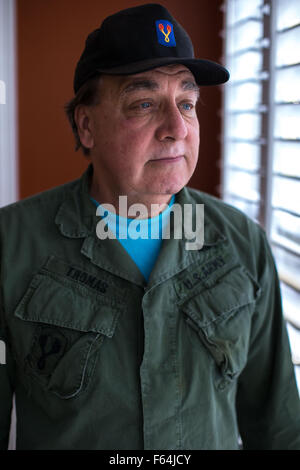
(165, 33)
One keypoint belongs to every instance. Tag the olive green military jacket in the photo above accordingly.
(99, 359)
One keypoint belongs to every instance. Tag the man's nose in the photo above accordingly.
(172, 125)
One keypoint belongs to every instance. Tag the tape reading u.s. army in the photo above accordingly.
(204, 272)
(207, 272)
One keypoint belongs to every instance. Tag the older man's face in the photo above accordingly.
(145, 133)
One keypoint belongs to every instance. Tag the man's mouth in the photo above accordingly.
(167, 159)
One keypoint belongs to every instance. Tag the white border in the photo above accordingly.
(8, 111)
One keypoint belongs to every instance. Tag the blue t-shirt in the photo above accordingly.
(141, 238)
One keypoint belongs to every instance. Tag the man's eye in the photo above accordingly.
(140, 108)
(187, 106)
(145, 105)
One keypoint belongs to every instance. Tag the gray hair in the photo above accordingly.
(88, 95)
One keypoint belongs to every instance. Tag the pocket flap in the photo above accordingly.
(221, 317)
(234, 290)
(54, 303)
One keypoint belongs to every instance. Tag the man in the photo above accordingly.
(141, 344)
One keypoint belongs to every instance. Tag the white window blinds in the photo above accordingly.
(261, 162)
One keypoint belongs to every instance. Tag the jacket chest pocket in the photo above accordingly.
(64, 327)
(220, 319)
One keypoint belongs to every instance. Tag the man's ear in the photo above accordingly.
(83, 121)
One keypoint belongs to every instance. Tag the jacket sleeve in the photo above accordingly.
(6, 387)
(268, 405)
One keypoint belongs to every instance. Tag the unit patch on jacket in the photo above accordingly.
(48, 347)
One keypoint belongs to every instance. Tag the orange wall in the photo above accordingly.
(51, 37)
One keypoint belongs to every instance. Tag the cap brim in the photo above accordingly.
(206, 72)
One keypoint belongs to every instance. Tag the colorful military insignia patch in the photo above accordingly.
(165, 33)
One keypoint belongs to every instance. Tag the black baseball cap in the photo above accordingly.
(139, 39)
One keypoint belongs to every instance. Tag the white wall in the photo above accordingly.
(8, 122)
(8, 100)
